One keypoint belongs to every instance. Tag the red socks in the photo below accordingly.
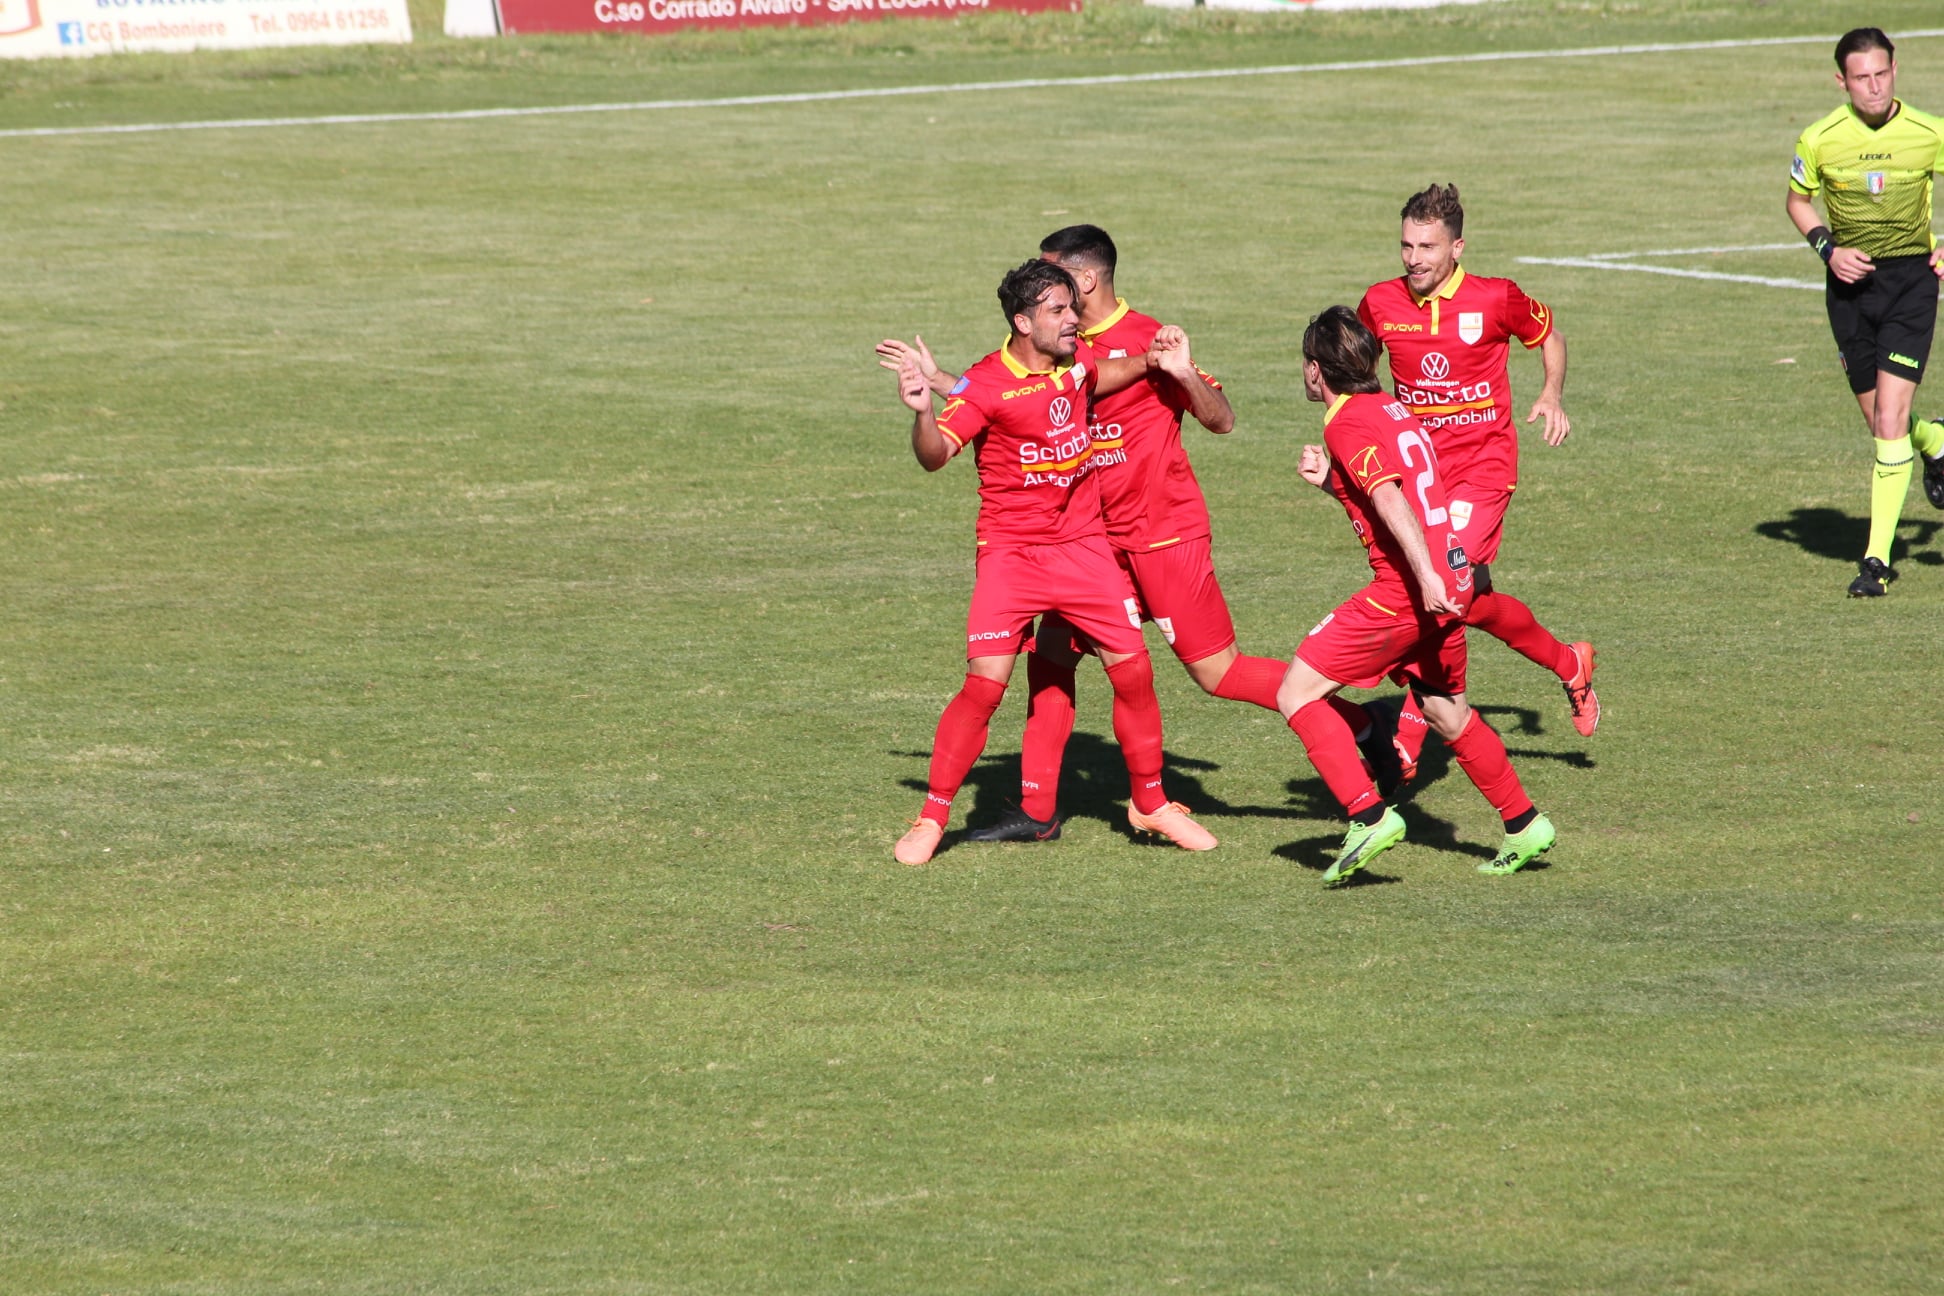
(1354, 716)
(1481, 754)
(1137, 727)
(961, 737)
(1253, 679)
(1049, 723)
(1332, 748)
(1512, 623)
(1412, 729)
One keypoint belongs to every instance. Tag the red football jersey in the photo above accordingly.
(1447, 362)
(1373, 439)
(1146, 483)
(1029, 430)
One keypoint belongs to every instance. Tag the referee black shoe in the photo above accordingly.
(1017, 825)
(1872, 576)
(1934, 480)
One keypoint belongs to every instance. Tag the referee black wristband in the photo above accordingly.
(1822, 241)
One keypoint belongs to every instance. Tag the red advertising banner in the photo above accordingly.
(680, 15)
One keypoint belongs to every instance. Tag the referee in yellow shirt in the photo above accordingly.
(1872, 161)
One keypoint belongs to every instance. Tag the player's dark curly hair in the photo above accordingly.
(1858, 39)
(1086, 245)
(1024, 285)
(1344, 350)
(1438, 203)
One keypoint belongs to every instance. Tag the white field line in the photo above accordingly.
(1707, 251)
(1590, 263)
(968, 87)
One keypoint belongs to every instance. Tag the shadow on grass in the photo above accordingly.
(1093, 785)
(1835, 535)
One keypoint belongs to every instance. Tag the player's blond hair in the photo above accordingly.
(1438, 203)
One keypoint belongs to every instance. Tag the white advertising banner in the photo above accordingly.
(56, 28)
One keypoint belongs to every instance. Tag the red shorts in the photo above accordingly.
(1179, 593)
(1079, 579)
(1478, 516)
(1375, 634)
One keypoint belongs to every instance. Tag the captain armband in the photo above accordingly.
(1822, 242)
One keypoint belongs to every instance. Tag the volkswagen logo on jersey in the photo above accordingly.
(1061, 412)
(1434, 366)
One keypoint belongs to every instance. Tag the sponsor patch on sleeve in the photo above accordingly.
(1799, 171)
(1367, 466)
(960, 386)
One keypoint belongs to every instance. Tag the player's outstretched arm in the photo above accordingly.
(928, 444)
(1314, 466)
(892, 353)
(1552, 355)
(1395, 516)
(1207, 403)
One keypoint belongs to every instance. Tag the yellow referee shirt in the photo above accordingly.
(1875, 181)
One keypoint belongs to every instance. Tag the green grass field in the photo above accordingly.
(472, 630)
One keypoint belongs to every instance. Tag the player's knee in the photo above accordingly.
(1132, 675)
(1447, 716)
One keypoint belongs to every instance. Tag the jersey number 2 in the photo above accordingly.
(1406, 442)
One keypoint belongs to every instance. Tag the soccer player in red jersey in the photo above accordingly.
(1157, 523)
(1408, 622)
(1042, 545)
(1447, 333)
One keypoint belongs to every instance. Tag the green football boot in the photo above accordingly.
(1364, 843)
(1521, 848)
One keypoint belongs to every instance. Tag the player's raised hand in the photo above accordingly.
(912, 387)
(1558, 426)
(893, 352)
(1314, 466)
(1169, 352)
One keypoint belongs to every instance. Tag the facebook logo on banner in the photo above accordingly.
(71, 34)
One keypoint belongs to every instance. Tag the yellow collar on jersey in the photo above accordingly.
(1021, 371)
(1335, 405)
(1120, 309)
(1447, 291)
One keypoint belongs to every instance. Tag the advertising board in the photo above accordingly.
(56, 28)
(495, 17)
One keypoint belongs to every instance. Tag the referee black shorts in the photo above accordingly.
(1884, 320)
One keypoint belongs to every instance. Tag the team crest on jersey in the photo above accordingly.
(1471, 326)
(1461, 511)
(1118, 353)
(1873, 181)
